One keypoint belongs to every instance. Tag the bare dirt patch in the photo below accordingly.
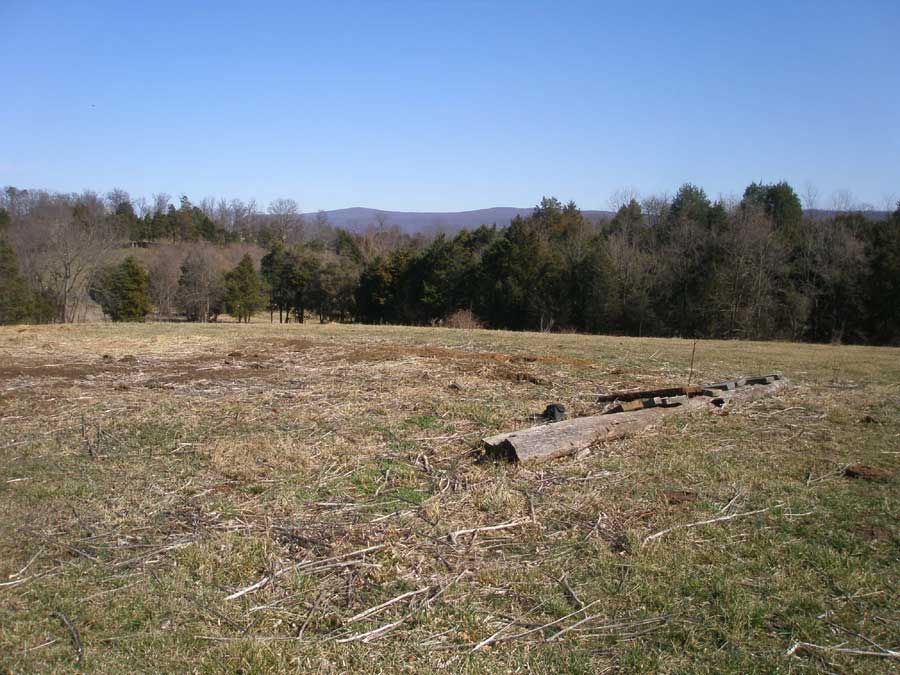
(75, 371)
(677, 497)
(876, 533)
(867, 473)
(394, 352)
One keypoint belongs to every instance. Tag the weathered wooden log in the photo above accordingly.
(640, 404)
(549, 441)
(742, 382)
(635, 394)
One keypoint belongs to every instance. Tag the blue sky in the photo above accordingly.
(451, 105)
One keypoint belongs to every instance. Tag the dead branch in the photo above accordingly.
(515, 523)
(317, 564)
(571, 593)
(384, 605)
(809, 646)
(625, 624)
(312, 611)
(720, 519)
(366, 637)
(73, 632)
(551, 623)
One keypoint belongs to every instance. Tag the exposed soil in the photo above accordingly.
(876, 533)
(75, 371)
(396, 352)
(676, 497)
(868, 473)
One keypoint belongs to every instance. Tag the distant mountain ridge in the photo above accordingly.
(825, 214)
(358, 218)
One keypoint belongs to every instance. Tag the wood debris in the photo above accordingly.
(643, 409)
(635, 394)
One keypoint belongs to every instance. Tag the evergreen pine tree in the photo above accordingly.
(134, 290)
(123, 291)
(16, 298)
(243, 291)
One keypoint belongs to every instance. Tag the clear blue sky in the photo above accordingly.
(451, 105)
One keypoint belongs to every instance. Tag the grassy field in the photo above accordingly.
(151, 473)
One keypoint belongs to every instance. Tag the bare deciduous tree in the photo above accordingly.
(810, 196)
(285, 221)
(161, 202)
(745, 295)
(655, 207)
(320, 229)
(62, 240)
(141, 207)
(164, 268)
(117, 197)
(842, 200)
(199, 283)
(633, 268)
(622, 197)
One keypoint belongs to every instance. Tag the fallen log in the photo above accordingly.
(638, 404)
(635, 394)
(689, 390)
(729, 385)
(549, 441)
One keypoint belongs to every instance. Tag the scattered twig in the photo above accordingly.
(624, 624)
(531, 508)
(493, 638)
(443, 588)
(720, 519)
(319, 565)
(859, 635)
(311, 613)
(691, 374)
(490, 528)
(40, 646)
(571, 593)
(551, 623)
(727, 507)
(565, 630)
(831, 474)
(27, 565)
(365, 637)
(809, 646)
(384, 605)
(76, 638)
(251, 588)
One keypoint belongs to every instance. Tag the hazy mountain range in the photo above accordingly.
(359, 218)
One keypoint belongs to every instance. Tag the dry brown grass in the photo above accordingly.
(149, 472)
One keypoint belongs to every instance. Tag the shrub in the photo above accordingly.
(463, 318)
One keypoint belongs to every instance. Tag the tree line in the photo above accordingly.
(757, 267)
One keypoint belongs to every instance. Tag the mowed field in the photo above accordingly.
(266, 498)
